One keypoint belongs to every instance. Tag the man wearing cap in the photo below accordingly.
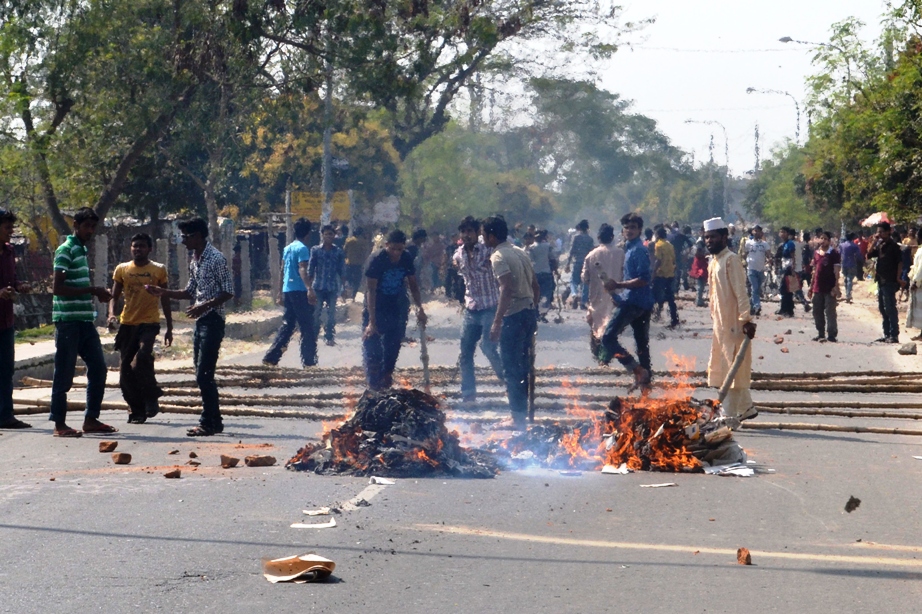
(732, 320)
(887, 274)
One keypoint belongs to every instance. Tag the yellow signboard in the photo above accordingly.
(309, 205)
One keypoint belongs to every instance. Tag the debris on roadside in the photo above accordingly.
(173, 452)
(852, 504)
(259, 461)
(173, 475)
(382, 481)
(121, 458)
(743, 556)
(193, 455)
(907, 349)
(108, 446)
(320, 525)
(298, 569)
(193, 463)
(323, 511)
(663, 485)
(228, 462)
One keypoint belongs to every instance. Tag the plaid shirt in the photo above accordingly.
(209, 277)
(481, 290)
(326, 267)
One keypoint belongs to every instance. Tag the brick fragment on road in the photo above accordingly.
(259, 461)
(228, 462)
(172, 475)
(743, 557)
(121, 458)
(108, 446)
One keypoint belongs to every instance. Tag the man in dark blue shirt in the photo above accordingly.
(385, 316)
(633, 305)
(786, 252)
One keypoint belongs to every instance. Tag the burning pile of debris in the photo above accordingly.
(395, 433)
(678, 434)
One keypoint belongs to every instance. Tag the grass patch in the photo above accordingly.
(41, 333)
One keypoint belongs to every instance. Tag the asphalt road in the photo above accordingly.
(80, 534)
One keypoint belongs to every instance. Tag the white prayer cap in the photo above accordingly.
(715, 223)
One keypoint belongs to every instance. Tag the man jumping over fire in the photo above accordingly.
(732, 320)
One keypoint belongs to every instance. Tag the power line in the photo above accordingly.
(680, 50)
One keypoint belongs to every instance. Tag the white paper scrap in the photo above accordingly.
(664, 485)
(619, 470)
(323, 511)
(917, 457)
(319, 525)
(383, 481)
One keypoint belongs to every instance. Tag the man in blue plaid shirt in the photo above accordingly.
(210, 286)
(324, 274)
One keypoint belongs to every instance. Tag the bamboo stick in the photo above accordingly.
(836, 428)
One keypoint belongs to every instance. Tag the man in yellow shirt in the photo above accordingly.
(140, 325)
(663, 278)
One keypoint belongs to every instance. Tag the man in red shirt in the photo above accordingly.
(824, 290)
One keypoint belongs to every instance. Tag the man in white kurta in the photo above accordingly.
(732, 320)
(607, 259)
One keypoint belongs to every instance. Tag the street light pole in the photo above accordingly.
(713, 122)
(848, 63)
(750, 90)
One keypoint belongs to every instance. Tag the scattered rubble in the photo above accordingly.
(298, 569)
(394, 433)
(228, 462)
(173, 475)
(907, 349)
(108, 446)
(173, 452)
(852, 504)
(259, 461)
(121, 458)
(193, 455)
(193, 463)
(743, 557)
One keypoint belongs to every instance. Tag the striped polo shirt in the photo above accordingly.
(70, 258)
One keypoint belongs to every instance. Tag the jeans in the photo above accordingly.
(824, 315)
(354, 277)
(137, 380)
(328, 298)
(298, 313)
(515, 348)
(700, 285)
(72, 339)
(380, 352)
(546, 284)
(639, 320)
(476, 327)
(663, 293)
(849, 273)
(756, 279)
(886, 303)
(7, 367)
(681, 274)
(206, 345)
(577, 287)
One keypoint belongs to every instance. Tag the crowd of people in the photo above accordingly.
(507, 279)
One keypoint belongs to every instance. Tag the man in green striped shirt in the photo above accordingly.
(75, 333)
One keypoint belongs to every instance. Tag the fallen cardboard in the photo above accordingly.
(300, 568)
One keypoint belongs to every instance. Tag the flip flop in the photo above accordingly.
(200, 431)
(68, 433)
(101, 428)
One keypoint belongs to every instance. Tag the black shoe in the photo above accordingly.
(892, 340)
(831, 339)
(151, 407)
(15, 423)
(137, 418)
(200, 431)
(807, 308)
(882, 340)
(820, 338)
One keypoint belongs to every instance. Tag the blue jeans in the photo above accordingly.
(206, 345)
(546, 284)
(328, 298)
(577, 287)
(886, 303)
(639, 320)
(72, 339)
(380, 352)
(475, 327)
(7, 367)
(515, 348)
(849, 273)
(756, 279)
(298, 313)
(663, 293)
(701, 284)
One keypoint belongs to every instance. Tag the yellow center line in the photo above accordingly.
(595, 543)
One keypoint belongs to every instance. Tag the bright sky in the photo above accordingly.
(699, 57)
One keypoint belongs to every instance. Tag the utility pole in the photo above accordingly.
(327, 163)
(750, 90)
(758, 165)
(711, 122)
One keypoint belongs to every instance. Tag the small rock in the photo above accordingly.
(228, 462)
(778, 340)
(51, 479)
(259, 461)
(194, 463)
(852, 504)
(788, 332)
(172, 475)
(761, 357)
(743, 557)
(193, 455)
(173, 452)
(784, 350)
(121, 458)
(108, 446)
(907, 349)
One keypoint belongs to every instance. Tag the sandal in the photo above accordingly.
(99, 427)
(15, 423)
(200, 431)
(68, 432)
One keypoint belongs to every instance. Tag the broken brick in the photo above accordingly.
(172, 475)
(228, 462)
(259, 461)
(121, 458)
(743, 557)
(108, 446)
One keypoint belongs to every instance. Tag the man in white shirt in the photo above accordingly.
(756, 252)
